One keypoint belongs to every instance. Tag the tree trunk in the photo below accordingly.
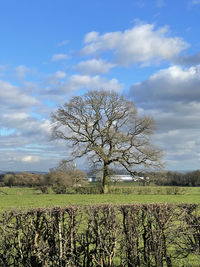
(105, 177)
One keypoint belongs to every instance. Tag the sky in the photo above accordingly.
(50, 51)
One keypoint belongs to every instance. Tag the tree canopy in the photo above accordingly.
(105, 126)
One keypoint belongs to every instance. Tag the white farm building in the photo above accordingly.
(118, 178)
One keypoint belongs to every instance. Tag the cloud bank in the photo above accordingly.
(142, 44)
(172, 97)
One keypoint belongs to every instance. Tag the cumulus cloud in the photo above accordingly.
(94, 66)
(77, 82)
(60, 74)
(3, 68)
(17, 127)
(30, 158)
(181, 148)
(12, 97)
(28, 126)
(188, 59)
(25, 141)
(55, 79)
(173, 84)
(59, 57)
(94, 82)
(21, 71)
(141, 44)
(172, 97)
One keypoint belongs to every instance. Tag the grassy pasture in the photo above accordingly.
(22, 198)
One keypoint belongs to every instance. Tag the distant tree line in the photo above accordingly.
(173, 178)
(23, 179)
(66, 175)
(61, 177)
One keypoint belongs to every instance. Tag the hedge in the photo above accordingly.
(101, 235)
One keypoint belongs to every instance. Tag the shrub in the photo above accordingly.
(44, 189)
(59, 189)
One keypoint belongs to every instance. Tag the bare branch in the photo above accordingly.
(105, 126)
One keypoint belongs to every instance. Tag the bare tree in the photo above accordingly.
(77, 176)
(105, 126)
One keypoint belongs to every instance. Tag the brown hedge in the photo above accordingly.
(101, 235)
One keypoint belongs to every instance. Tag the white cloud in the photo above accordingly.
(173, 84)
(3, 68)
(172, 97)
(16, 116)
(21, 71)
(94, 66)
(78, 82)
(25, 141)
(93, 82)
(91, 37)
(12, 97)
(55, 79)
(60, 74)
(188, 59)
(141, 44)
(58, 57)
(30, 158)
(181, 148)
(27, 126)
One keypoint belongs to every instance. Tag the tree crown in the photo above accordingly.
(106, 127)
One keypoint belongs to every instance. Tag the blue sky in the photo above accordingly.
(52, 50)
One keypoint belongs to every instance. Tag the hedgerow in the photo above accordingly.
(101, 235)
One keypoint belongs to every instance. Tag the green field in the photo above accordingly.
(20, 198)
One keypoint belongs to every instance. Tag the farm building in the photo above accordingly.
(117, 178)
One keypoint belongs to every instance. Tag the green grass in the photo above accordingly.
(23, 198)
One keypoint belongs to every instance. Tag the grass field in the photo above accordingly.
(22, 198)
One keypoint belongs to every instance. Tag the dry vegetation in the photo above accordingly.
(105, 235)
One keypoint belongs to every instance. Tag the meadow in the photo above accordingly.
(25, 198)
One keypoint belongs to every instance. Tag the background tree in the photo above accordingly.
(78, 177)
(23, 179)
(9, 179)
(58, 180)
(106, 127)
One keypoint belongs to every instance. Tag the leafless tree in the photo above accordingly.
(77, 176)
(106, 127)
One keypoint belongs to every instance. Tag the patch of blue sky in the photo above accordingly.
(130, 75)
(36, 115)
(36, 146)
(21, 149)
(4, 131)
(50, 103)
(9, 149)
